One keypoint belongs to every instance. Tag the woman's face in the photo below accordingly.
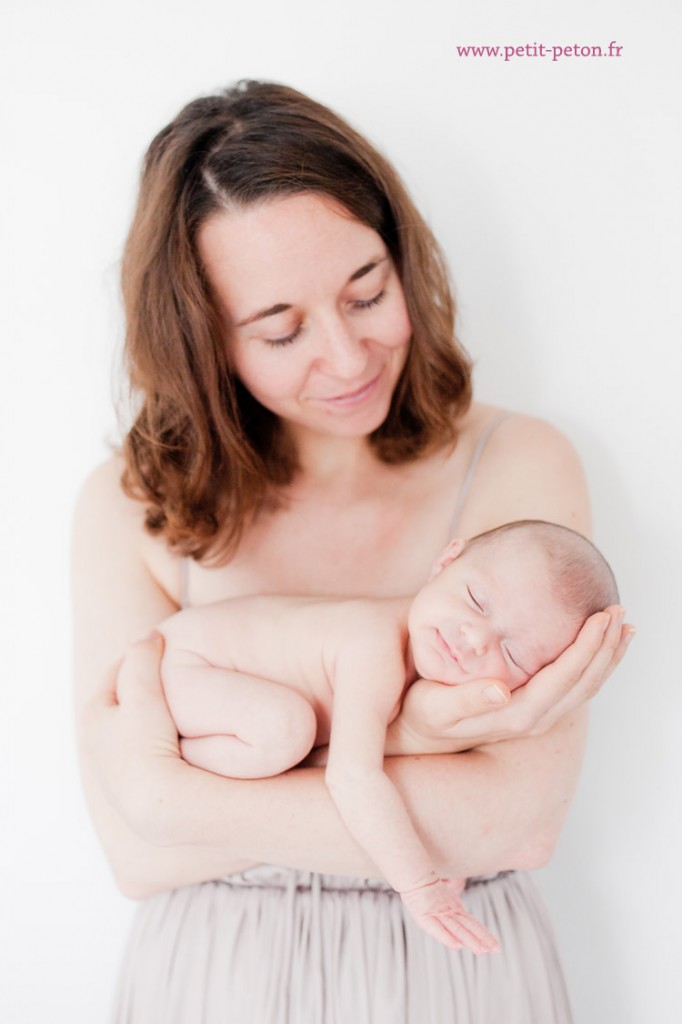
(317, 325)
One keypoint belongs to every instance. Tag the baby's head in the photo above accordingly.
(507, 602)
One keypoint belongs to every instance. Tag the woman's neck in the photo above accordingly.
(334, 463)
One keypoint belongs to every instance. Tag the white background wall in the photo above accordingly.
(554, 189)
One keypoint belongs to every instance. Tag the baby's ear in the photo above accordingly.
(454, 548)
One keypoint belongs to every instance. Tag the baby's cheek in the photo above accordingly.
(499, 669)
(428, 665)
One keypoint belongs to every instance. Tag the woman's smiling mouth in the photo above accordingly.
(353, 398)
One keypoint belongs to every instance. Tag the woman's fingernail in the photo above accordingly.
(621, 616)
(605, 624)
(494, 695)
(629, 635)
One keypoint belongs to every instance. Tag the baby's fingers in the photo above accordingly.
(479, 939)
(469, 932)
(437, 930)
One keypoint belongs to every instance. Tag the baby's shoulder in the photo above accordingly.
(368, 627)
(373, 612)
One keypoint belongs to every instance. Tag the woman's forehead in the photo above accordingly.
(293, 251)
(284, 234)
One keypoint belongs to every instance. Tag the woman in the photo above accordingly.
(304, 426)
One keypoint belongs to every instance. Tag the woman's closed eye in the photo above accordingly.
(356, 304)
(368, 303)
(287, 339)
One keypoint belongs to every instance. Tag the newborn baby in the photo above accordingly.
(253, 683)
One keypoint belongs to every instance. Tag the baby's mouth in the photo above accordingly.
(448, 650)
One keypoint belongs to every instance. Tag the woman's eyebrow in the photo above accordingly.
(282, 307)
(279, 307)
(365, 269)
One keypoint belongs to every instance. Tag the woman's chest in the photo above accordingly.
(375, 547)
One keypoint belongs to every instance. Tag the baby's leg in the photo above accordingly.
(234, 724)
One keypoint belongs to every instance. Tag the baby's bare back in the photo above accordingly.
(294, 641)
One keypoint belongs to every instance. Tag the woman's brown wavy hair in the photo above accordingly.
(202, 453)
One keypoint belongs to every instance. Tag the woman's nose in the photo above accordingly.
(343, 354)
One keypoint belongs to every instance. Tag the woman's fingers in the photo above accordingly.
(139, 676)
(131, 735)
(593, 676)
(131, 685)
(141, 697)
(538, 703)
(473, 698)
(577, 675)
(556, 690)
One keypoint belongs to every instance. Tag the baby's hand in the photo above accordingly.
(437, 908)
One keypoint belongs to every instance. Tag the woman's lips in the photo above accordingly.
(356, 397)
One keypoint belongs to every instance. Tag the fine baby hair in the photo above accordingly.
(581, 577)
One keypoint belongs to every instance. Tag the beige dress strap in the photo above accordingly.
(184, 582)
(471, 470)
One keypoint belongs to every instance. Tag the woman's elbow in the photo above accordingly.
(135, 873)
(134, 888)
(537, 839)
(535, 852)
(140, 874)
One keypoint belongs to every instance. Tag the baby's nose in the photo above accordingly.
(477, 638)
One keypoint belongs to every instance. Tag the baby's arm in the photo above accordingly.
(368, 679)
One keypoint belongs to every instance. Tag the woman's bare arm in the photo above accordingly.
(117, 600)
(477, 812)
(164, 823)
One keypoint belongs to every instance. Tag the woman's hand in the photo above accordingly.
(577, 675)
(441, 719)
(132, 740)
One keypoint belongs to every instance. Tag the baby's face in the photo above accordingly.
(489, 613)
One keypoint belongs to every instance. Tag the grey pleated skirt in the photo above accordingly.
(273, 946)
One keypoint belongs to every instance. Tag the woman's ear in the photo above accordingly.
(454, 548)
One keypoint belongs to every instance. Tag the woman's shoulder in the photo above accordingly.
(104, 507)
(111, 521)
(513, 435)
(101, 490)
(528, 469)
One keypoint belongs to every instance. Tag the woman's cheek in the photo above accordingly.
(401, 328)
(268, 376)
